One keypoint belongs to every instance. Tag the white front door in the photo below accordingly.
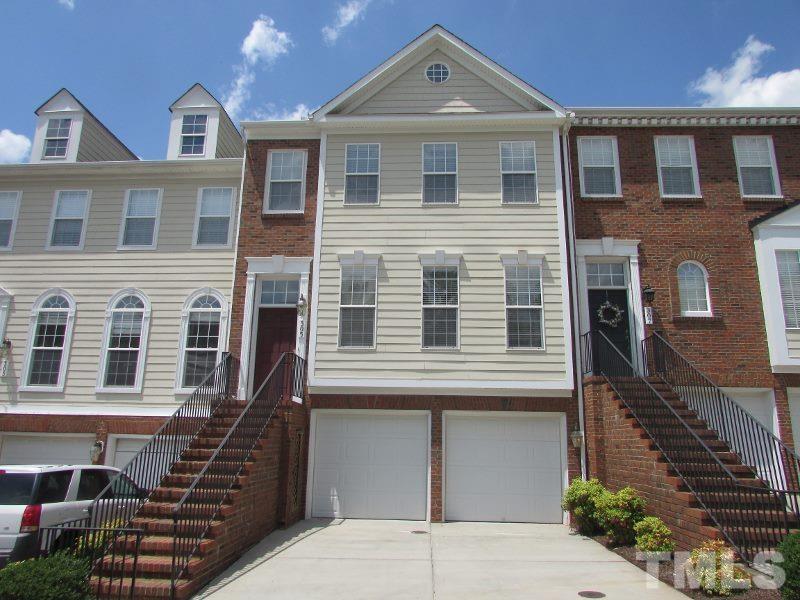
(503, 468)
(370, 465)
(31, 449)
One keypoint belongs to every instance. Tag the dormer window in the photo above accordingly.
(57, 138)
(193, 135)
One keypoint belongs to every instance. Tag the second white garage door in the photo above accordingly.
(370, 466)
(506, 468)
(45, 449)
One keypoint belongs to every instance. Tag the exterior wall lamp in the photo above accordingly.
(96, 450)
(577, 438)
(648, 294)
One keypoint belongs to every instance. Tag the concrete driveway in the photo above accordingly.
(351, 559)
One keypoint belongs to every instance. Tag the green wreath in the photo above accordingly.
(609, 314)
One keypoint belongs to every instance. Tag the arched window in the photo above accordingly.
(52, 319)
(693, 290)
(124, 342)
(202, 337)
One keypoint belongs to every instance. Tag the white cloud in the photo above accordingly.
(738, 84)
(68, 4)
(14, 147)
(264, 44)
(346, 14)
(270, 113)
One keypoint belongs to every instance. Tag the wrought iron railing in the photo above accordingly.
(752, 517)
(112, 554)
(774, 461)
(195, 512)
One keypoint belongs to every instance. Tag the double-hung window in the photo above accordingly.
(213, 222)
(677, 166)
(193, 135)
(9, 208)
(201, 344)
(755, 160)
(439, 173)
(599, 166)
(51, 334)
(357, 302)
(524, 308)
(789, 280)
(56, 138)
(518, 171)
(440, 307)
(362, 173)
(140, 219)
(68, 227)
(126, 331)
(286, 181)
(693, 290)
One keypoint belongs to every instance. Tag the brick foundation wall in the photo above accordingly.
(438, 404)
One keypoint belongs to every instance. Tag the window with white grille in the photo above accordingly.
(126, 324)
(213, 222)
(755, 160)
(56, 138)
(362, 173)
(51, 334)
(693, 289)
(439, 174)
(599, 166)
(677, 166)
(140, 218)
(9, 207)
(440, 305)
(357, 303)
(524, 323)
(286, 181)
(605, 275)
(193, 135)
(201, 344)
(69, 219)
(789, 280)
(518, 172)
(280, 292)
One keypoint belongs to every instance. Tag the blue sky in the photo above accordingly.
(128, 60)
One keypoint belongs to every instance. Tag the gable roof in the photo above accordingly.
(212, 101)
(437, 33)
(780, 211)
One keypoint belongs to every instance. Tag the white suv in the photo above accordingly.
(34, 496)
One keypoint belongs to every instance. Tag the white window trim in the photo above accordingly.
(68, 138)
(617, 173)
(695, 313)
(101, 388)
(358, 258)
(223, 333)
(776, 180)
(79, 247)
(778, 279)
(14, 219)
(695, 171)
(275, 277)
(424, 172)
(265, 209)
(181, 135)
(5, 305)
(440, 258)
(535, 174)
(378, 173)
(437, 62)
(121, 240)
(608, 260)
(71, 312)
(198, 207)
(521, 259)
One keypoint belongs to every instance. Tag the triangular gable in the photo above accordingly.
(785, 216)
(62, 101)
(196, 97)
(488, 78)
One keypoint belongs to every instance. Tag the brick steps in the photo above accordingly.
(145, 588)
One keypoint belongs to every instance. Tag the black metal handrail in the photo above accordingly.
(111, 552)
(774, 461)
(751, 516)
(195, 512)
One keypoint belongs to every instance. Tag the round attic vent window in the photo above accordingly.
(437, 73)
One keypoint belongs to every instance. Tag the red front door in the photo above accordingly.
(277, 329)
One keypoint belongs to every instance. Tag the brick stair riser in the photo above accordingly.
(165, 527)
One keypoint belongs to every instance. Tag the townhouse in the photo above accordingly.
(116, 279)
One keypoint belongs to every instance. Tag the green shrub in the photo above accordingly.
(653, 536)
(618, 513)
(580, 500)
(713, 566)
(60, 576)
(790, 548)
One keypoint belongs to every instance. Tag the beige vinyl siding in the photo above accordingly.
(793, 342)
(479, 228)
(97, 144)
(229, 142)
(167, 275)
(412, 93)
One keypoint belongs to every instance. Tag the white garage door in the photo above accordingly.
(503, 468)
(370, 466)
(125, 449)
(44, 449)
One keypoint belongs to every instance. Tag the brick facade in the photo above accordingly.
(731, 347)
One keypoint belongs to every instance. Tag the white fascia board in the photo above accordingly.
(100, 408)
(280, 130)
(543, 119)
(217, 166)
(562, 388)
(680, 111)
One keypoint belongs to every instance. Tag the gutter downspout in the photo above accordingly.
(236, 252)
(576, 337)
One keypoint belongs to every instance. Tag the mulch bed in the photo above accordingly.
(667, 571)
